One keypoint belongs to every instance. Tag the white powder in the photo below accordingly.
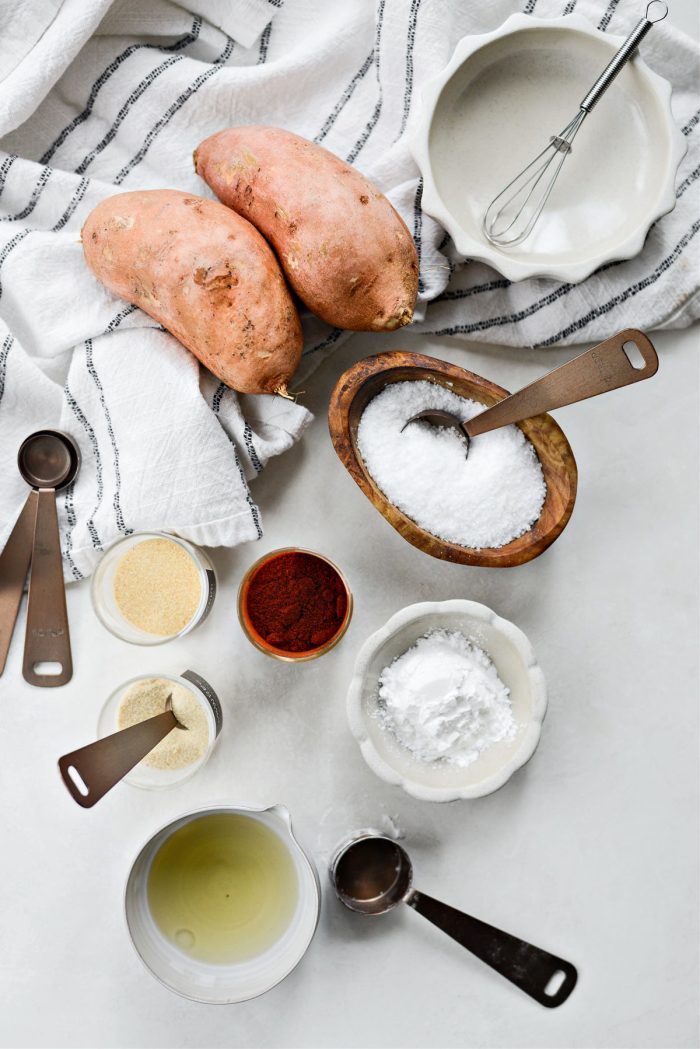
(444, 701)
(487, 500)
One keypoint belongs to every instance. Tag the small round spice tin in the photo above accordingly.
(294, 604)
(182, 753)
(151, 587)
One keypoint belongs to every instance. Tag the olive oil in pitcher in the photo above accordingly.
(223, 888)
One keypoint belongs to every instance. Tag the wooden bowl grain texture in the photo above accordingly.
(365, 379)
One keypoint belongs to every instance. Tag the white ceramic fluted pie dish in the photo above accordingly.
(493, 108)
(517, 667)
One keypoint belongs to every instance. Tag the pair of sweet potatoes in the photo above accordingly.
(206, 270)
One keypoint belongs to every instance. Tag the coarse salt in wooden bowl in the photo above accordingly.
(365, 379)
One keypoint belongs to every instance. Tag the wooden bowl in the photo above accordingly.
(365, 379)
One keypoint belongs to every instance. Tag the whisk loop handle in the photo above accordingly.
(623, 55)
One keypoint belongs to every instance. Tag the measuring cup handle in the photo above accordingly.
(47, 639)
(604, 367)
(529, 968)
(100, 765)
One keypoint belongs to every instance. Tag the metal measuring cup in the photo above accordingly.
(372, 874)
(48, 460)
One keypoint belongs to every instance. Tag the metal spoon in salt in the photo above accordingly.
(48, 460)
(91, 771)
(372, 874)
(604, 367)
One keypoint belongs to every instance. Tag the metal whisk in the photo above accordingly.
(511, 216)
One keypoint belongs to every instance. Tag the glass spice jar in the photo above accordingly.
(151, 587)
(154, 775)
(277, 608)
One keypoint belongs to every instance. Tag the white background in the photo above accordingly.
(590, 851)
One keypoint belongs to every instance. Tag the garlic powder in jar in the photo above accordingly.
(145, 699)
(151, 587)
(157, 587)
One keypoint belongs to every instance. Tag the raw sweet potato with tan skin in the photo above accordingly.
(344, 249)
(206, 275)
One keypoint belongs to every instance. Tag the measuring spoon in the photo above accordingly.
(48, 460)
(604, 367)
(372, 874)
(14, 565)
(93, 770)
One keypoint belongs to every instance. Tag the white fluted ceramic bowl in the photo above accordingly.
(493, 108)
(517, 667)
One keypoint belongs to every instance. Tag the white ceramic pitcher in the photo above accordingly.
(223, 984)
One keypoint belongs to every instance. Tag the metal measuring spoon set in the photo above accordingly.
(48, 460)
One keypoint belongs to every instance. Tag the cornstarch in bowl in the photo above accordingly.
(483, 501)
(443, 700)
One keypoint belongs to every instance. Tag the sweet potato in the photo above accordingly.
(344, 249)
(206, 275)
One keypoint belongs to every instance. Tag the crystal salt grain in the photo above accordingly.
(485, 500)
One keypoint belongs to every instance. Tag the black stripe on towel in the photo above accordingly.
(418, 229)
(264, 44)
(83, 420)
(372, 122)
(253, 455)
(693, 122)
(135, 95)
(4, 354)
(408, 81)
(628, 293)
(476, 289)
(102, 79)
(116, 321)
(218, 395)
(325, 343)
(255, 513)
(69, 506)
(10, 246)
(345, 97)
(80, 415)
(90, 364)
(33, 200)
(5, 168)
(70, 210)
(553, 296)
(173, 109)
(75, 200)
(605, 20)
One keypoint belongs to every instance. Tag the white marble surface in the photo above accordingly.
(590, 851)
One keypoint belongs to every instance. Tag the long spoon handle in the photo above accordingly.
(603, 368)
(14, 565)
(100, 765)
(47, 639)
(528, 967)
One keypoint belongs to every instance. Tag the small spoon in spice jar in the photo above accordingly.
(91, 771)
(605, 367)
(372, 874)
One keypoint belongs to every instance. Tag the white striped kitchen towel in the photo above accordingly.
(115, 94)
